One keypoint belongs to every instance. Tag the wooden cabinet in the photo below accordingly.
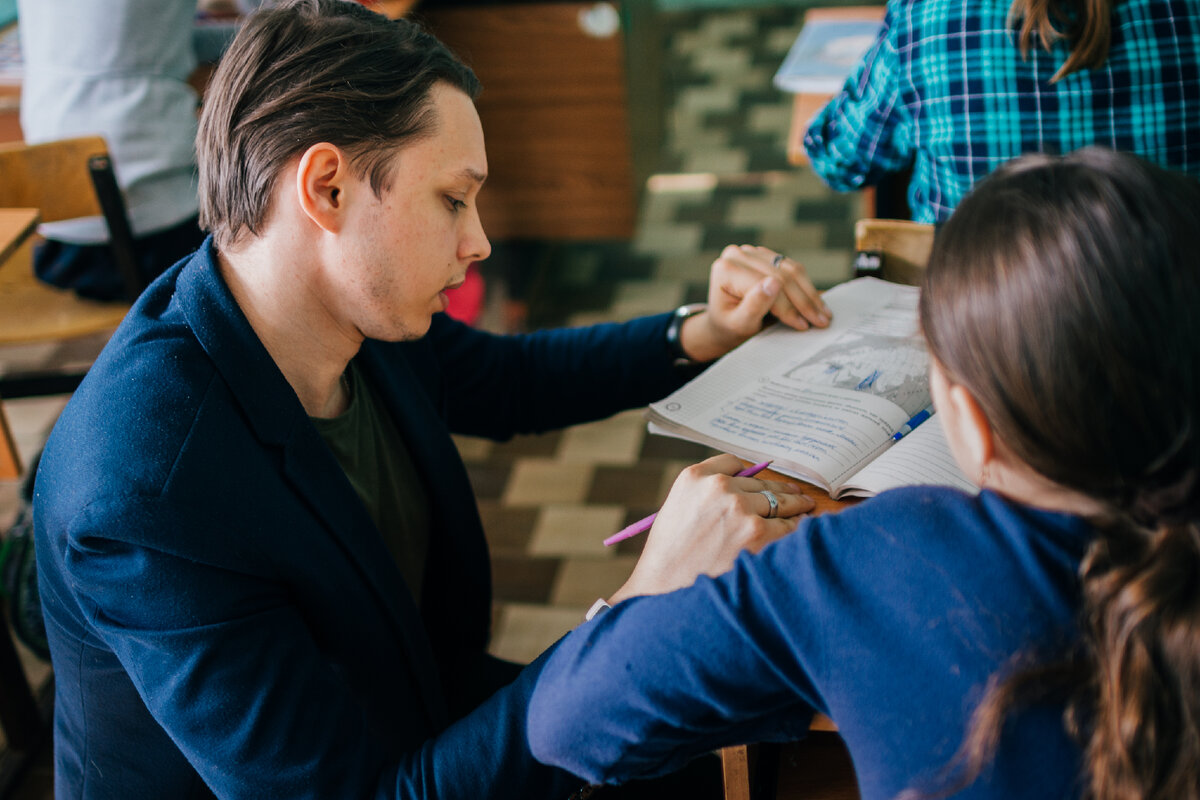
(555, 118)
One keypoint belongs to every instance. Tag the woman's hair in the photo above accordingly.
(1085, 24)
(1064, 294)
(308, 71)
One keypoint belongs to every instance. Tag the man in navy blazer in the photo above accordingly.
(262, 570)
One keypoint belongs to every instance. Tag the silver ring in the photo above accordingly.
(773, 500)
(777, 260)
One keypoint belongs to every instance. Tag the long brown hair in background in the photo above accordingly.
(1085, 24)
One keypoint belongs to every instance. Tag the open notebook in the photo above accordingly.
(824, 405)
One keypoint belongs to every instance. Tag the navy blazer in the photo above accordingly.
(223, 614)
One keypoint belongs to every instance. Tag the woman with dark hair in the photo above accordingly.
(1038, 640)
(952, 89)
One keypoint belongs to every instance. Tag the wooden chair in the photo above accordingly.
(10, 458)
(63, 179)
(902, 247)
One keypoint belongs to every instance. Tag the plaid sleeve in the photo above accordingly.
(866, 131)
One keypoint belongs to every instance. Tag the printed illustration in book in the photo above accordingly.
(826, 405)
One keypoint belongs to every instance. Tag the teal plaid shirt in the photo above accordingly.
(944, 90)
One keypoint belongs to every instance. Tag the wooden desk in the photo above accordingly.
(740, 765)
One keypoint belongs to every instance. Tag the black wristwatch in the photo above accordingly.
(674, 345)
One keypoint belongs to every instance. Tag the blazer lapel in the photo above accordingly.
(275, 413)
(319, 479)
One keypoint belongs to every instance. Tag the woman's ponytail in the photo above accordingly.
(1141, 619)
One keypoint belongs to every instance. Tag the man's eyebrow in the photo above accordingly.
(473, 175)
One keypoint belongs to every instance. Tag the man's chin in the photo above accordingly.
(408, 332)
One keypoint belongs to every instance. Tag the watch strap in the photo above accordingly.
(675, 330)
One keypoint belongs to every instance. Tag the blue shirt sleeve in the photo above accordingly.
(883, 617)
(865, 132)
(657, 680)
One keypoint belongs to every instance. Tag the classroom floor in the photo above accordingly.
(722, 177)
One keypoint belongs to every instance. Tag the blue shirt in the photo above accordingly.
(944, 89)
(888, 617)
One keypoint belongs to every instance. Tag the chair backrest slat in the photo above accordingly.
(70, 178)
(904, 246)
(53, 177)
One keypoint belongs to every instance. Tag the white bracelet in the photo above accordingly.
(597, 607)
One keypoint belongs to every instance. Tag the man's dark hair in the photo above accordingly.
(308, 71)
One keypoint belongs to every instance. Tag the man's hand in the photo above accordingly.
(746, 283)
(709, 517)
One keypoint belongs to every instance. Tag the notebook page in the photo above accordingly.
(818, 402)
(922, 457)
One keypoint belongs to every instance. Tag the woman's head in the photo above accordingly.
(1063, 294)
(309, 71)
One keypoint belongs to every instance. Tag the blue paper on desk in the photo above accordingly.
(824, 54)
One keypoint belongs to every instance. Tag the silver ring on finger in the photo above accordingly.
(773, 500)
(777, 260)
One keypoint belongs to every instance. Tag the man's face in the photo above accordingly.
(404, 249)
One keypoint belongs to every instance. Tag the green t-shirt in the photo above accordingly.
(375, 458)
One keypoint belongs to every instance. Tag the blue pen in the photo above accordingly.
(918, 418)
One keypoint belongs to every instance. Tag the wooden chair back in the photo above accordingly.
(64, 179)
(52, 177)
(902, 247)
(70, 178)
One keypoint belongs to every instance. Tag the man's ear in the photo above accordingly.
(974, 433)
(321, 184)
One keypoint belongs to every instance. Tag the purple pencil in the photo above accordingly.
(643, 525)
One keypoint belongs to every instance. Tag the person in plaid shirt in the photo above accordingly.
(954, 88)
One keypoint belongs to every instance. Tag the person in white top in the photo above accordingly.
(119, 68)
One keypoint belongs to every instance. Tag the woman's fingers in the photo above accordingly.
(775, 500)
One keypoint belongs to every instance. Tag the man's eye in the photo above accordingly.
(455, 203)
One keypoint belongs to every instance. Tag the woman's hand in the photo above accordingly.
(709, 517)
(747, 283)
